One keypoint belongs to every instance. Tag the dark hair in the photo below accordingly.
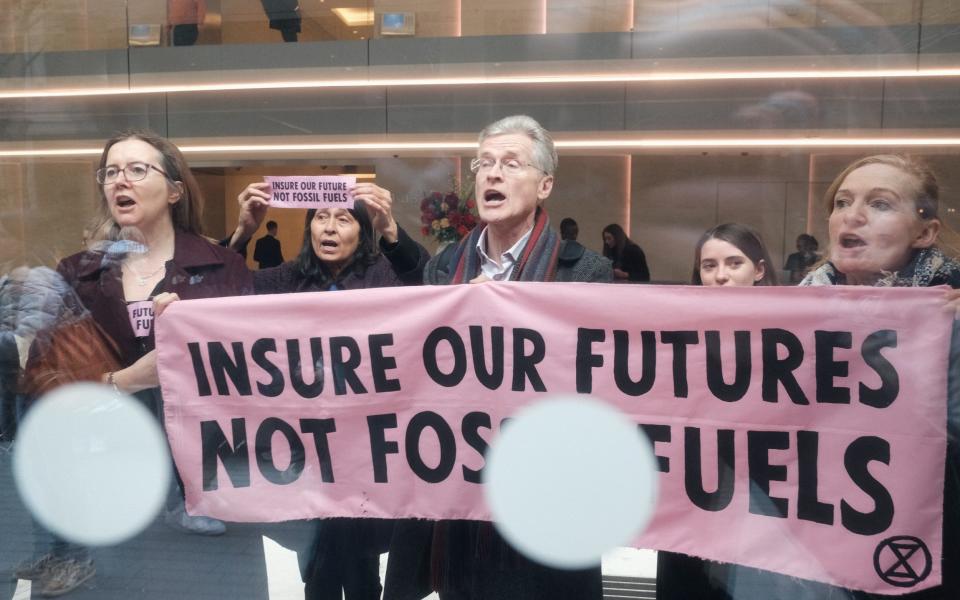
(186, 212)
(747, 240)
(620, 240)
(927, 200)
(314, 273)
(808, 240)
(566, 225)
(271, 224)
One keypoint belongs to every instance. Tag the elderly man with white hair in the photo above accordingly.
(514, 168)
(468, 560)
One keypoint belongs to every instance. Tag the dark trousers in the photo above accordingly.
(345, 559)
(185, 35)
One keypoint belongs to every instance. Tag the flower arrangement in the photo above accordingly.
(446, 217)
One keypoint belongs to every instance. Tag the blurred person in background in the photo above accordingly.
(629, 262)
(799, 262)
(569, 230)
(267, 251)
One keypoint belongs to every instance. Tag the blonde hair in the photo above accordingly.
(926, 200)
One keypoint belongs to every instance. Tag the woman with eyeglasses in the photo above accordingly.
(149, 215)
(147, 251)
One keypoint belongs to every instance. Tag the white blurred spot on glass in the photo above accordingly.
(568, 479)
(91, 465)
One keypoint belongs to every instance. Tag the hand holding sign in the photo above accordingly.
(952, 299)
(162, 300)
(379, 205)
(254, 201)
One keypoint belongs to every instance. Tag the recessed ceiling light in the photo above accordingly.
(355, 17)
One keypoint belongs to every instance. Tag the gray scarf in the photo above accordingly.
(927, 268)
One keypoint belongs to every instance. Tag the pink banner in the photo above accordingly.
(302, 191)
(798, 430)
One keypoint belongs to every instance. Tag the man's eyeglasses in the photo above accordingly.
(135, 171)
(509, 166)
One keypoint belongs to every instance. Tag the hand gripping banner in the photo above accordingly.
(798, 430)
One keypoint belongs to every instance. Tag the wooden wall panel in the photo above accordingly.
(11, 217)
(871, 13)
(434, 18)
(593, 191)
(63, 25)
(56, 201)
(577, 16)
(502, 17)
(940, 12)
(60, 25)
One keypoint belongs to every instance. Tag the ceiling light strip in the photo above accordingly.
(469, 146)
(755, 143)
(527, 79)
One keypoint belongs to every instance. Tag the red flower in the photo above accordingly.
(449, 208)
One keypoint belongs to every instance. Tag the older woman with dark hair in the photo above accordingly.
(340, 251)
(629, 262)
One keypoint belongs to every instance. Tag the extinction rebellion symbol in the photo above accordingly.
(902, 561)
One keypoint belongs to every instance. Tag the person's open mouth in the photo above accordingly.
(493, 197)
(849, 240)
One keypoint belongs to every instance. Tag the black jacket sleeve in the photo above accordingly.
(407, 257)
(635, 263)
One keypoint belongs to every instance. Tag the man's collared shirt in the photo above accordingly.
(502, 271)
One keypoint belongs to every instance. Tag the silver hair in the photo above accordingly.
(544, 154)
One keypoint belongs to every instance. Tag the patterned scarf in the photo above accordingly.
(537, 263)
(929, 267)
(458, 543)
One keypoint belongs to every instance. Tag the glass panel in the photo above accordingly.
(670, 118)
